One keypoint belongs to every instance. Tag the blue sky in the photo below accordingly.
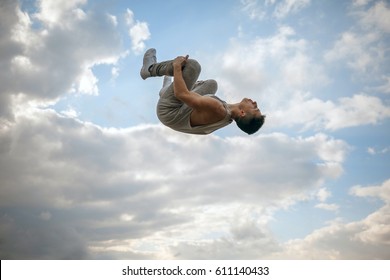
(88, 172)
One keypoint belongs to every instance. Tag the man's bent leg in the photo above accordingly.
(150, 67)
(191, 71)
(168, 105)
(205, 87)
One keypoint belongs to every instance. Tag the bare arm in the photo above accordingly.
(192, 99)
(205, 109)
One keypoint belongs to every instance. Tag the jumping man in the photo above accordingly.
(190, 106)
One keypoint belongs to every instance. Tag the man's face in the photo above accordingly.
(250, 106)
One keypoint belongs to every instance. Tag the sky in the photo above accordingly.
(88, 172)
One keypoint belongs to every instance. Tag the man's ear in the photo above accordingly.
(242, 113)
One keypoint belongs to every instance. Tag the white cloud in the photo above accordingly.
(114, 73)
(276, 64)
(258, 10)
(364, 239)
(88, 83)
(70, 112)
(363, 46)
(284, 78)
(283, 74)
(359, 109)
(327, 206)
(385, 87)
(377, 16)
(361, 2)
(55, 13)
(143, 190)
(290, 6)
(339, 241)
(53, 51)
(323, 194)
(253, 9)
(359, 50)
(300, 71)
(376, 151)
(371, 151)
(382, 191)
(113, 19)
(138, 31)
(376, 227)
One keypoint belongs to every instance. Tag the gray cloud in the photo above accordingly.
(364, 239)
(131, 184)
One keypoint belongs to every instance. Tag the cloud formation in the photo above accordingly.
(52, 52)
(286, 76)
(367, 238)
(364, 239)
(74, 175)
(72, 189)
(280, 9)
(138, 32)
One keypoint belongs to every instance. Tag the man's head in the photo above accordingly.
(250, 118)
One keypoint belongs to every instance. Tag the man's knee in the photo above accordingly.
(206, 87)
(212, 84)
(193, 64)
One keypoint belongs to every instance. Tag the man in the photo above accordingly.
(190, 106)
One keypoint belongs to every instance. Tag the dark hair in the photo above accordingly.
(249, 123)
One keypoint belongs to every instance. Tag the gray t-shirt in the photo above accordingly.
(176, 115)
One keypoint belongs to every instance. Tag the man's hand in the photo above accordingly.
(179, 62)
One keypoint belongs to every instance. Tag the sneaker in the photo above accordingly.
(149, 60)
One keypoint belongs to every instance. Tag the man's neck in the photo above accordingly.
(234, 109)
